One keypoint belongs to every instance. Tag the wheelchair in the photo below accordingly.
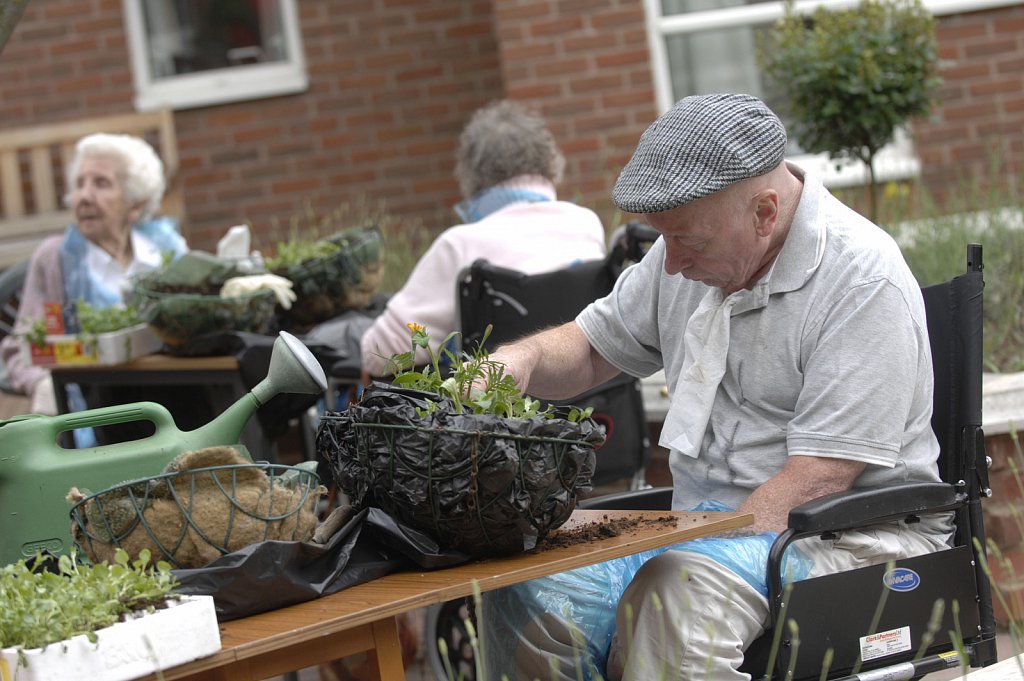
(935, 610)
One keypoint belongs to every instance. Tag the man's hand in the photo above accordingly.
(517, 360)
(555, 363)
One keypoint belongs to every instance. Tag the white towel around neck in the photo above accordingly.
(706, 344)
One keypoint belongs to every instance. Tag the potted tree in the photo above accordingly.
(852, 76)
(60, 618)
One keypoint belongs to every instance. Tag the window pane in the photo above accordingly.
(722, 60)
(669, 7)
(189, 36)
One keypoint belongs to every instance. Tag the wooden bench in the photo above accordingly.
(33, 162)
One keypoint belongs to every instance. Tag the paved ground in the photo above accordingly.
(1006, 647)
(421, 672)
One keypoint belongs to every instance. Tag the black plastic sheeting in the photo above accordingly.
(334, 343)
(475, 483)
(274, 574)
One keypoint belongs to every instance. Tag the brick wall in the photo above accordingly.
(65, 60)
(1004, 526)
(585, 65)
(391, 84)
(980, 117)
(393, 81)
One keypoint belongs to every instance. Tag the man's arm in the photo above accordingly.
(556, 363)
(803, 478)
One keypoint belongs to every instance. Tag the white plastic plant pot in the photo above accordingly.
(114, 347)
(184, 631)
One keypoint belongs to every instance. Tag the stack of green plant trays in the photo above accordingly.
(183, 301)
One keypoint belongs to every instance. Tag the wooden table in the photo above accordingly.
(362, 617)
(218, 375)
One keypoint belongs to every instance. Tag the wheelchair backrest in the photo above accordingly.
(954, 309)
(515, 304)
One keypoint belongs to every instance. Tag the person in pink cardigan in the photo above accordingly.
(507, 166)
(117, 182)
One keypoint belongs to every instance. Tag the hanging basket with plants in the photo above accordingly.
(329, 275)
(191, 297)
(486, 475)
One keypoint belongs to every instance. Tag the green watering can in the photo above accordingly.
(36, 472)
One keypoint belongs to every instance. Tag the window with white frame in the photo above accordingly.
(190, 53)
(706, 46)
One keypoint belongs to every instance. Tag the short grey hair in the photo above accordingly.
(501, 141)
(141, 172)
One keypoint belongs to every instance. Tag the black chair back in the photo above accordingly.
(515, 304)
(12, 280)
(954, 309)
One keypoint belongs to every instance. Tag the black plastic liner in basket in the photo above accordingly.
(476, 483)
(273, 574)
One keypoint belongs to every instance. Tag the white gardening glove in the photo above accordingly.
(44, 399)
(238, 286)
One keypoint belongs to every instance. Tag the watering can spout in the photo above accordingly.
(293, 369)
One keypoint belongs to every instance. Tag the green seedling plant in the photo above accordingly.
(39, 607)
(298, 250)
(476, 384)
(92, 321)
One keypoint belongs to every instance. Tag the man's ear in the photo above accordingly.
(766, 211)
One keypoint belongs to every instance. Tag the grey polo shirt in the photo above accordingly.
(828, 356)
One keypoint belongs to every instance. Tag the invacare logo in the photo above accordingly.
(901, 579)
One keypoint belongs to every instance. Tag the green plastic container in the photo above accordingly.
(36, 472)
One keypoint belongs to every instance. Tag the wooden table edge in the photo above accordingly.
(320, 627)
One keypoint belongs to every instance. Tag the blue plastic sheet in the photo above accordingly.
(587, 597)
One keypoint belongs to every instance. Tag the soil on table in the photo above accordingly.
(603, 529)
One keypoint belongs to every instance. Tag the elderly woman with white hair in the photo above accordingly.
(116, 184)
(507, 166)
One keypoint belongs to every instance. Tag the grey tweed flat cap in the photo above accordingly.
(704, 143)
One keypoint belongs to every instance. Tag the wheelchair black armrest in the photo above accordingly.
(652, 498)
(349, 369)
(858, 508)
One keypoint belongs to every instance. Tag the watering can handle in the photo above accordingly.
(120, 413)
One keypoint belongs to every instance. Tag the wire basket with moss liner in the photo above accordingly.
(192, 515)
(480, 484)
(178, 314)
(329, 276)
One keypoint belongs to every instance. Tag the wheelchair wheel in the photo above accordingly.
(448, 621)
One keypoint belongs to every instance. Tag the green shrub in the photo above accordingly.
(934, 241)
(852, 76)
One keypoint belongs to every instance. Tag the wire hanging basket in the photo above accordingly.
(190, 517)
(476, 483)
(327, 286)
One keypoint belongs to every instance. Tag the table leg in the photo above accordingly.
(385, 660)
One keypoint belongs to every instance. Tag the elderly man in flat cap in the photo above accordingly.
(793, 339)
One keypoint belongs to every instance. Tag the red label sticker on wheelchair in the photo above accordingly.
(885, 643)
